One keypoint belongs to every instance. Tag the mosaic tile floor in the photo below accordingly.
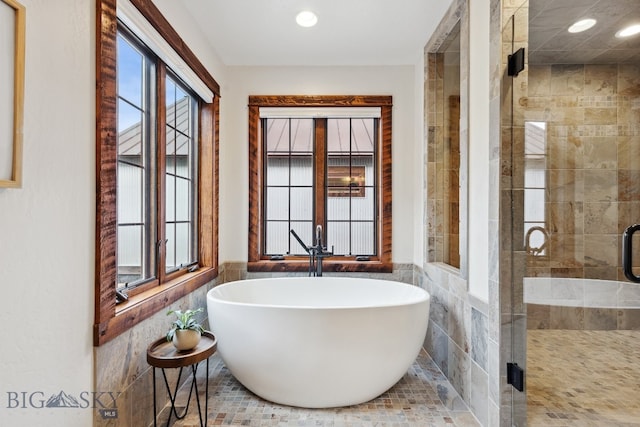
(583, 378)
(423, 398)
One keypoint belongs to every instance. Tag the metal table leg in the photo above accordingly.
(172, 396)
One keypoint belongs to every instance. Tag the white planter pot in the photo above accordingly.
(186, 339)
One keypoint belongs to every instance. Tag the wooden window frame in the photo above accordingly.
(257, 261)
(110, 321)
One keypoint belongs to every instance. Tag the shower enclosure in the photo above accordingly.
(571, 152)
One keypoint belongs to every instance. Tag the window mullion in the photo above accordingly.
(161, 140)
(320, 168)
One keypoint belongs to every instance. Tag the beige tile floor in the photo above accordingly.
(423, 398)
(583, 378)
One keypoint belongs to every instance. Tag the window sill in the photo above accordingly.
(330, 266)
(142, 306)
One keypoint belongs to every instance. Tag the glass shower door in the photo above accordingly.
(575, 190)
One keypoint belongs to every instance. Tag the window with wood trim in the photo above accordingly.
(156, 170)
(311, 164)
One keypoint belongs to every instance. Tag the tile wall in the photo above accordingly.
(463, 332)
(592, 140)
(593, 171)
(121, 367)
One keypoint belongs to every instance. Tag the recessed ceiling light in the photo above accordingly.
(306, 19)
(629, 31)
(582, 25)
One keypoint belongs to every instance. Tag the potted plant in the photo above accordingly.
(185, 331)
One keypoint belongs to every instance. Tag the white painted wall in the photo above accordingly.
(234, 174)
(419, 164)
(479, 149)
(47, 226)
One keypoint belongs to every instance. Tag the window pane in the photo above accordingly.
(337, 235)
(183, 193)
(181, 186)
(338, 135)
(170, 96)
(171, 146)
(277, 135)
(180, 93)
(135, 174)
(130, 193)
(130, 129)
(302, 203)
(183, 152)
(277, 237)
(183, 244)
(302, 170)
(337, 207)
(183, 115)
(277, 203)
(170, 197)
(277, 170)
(130, 241)
(534, 205)
(363, 208)
(130, 72)
(170, 261)
(362, 238)
(305, 230)
(302, 135)
(362, 135)
(534, 175)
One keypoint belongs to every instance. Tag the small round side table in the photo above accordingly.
(162, 354)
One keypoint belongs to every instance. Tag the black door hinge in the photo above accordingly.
(516, 62)
(515, 376)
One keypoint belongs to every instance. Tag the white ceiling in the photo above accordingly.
(349, 32)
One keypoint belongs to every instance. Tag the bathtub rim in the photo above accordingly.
(421, 296)
(581, 292)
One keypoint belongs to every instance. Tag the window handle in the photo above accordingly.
(121, 296)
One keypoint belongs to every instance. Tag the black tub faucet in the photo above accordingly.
(316, 252)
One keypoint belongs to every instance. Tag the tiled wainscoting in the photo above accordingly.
(459, 342)
(121, 367)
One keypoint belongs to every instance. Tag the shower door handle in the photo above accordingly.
(627, 252)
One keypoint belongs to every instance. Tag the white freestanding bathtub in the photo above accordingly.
(318, 342)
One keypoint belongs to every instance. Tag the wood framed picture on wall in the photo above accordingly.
(12, 41)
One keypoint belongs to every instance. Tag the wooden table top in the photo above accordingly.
(162, 354)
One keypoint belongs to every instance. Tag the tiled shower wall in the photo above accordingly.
(592, 144)
(593, 175)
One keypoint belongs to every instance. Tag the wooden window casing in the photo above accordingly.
(110, 321)
(257, 260)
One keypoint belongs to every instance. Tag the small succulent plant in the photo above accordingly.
(184, 320)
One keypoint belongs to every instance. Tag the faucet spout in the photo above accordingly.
(320, 251)
(319, 236)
